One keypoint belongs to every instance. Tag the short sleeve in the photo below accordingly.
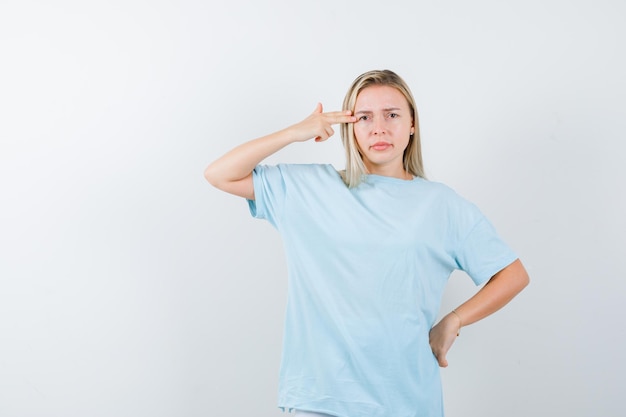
(269, 193)
(479, 250)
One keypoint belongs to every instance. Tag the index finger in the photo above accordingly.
(340, 117)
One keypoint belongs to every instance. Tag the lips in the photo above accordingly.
(380, 146)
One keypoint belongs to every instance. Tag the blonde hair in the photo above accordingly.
(412, 159)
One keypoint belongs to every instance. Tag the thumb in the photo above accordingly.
(318, 108)
(443, 362)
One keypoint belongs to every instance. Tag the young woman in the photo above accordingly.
(369, 251)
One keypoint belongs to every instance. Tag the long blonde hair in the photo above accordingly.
(412, 159)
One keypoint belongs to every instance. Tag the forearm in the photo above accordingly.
(494, 295)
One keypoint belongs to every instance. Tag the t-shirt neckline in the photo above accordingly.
(384, 178)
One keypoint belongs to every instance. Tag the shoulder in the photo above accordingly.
(298, 176)
(300, 170)
(449, 200)
(319, 169)
(438, 190)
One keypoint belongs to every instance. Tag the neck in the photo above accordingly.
(388, 171)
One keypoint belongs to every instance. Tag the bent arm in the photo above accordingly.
(494, 295)
(232, 172)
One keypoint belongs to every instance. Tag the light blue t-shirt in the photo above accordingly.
(367, 268)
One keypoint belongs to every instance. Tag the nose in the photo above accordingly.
(378, 126)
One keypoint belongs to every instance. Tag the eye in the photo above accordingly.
(393, 115)
(364, 117)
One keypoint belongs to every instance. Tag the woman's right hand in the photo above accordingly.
(319, 124)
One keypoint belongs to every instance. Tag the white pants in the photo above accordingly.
(310, 414)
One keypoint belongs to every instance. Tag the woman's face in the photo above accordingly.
(383, 128)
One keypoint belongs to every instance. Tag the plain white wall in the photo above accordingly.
(130, 287)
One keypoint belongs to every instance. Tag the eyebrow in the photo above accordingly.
(385, 110)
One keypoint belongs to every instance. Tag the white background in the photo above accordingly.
(130, 287)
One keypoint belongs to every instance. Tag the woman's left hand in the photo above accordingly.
(495, 294)
(443, 335)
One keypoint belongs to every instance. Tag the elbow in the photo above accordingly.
(526, 278)
(523, 279)
(211, 176)
(524, 273)
(240, 187)
(515, 276)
